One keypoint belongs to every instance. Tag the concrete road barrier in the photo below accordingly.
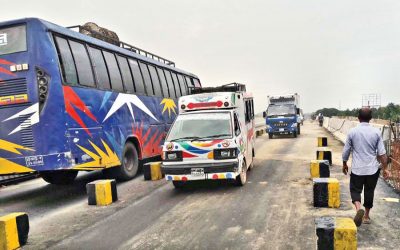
(324, 153)
(326, 192)
(322, 141)
(319, 169)
(152, 171)
(14, 229)
(102, 192)
(336, 233)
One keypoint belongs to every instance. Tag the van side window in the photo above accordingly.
(83, 65)
(237, 124)
(137, 76)
(247, 111)
(100, 68)
(147, 79)
(66, 61)
(126, 74)
(156, 81)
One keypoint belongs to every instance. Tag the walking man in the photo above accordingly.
(368, 155)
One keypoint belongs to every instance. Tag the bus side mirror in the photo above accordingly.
(298, 111)
(264, 114)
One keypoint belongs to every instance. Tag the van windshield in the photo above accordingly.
(201, 126)
(12, 39)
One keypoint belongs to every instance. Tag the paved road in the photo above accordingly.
(273, 210)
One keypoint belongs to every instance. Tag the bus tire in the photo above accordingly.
(178, 184)
(130, 163)
(270, 135)
(241, 179)
(60, 177)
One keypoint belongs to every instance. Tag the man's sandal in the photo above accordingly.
(366, 220)
(358, 219)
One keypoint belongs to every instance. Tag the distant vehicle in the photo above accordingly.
(283, 115)
(213, 136)
(320, 119)
(70, 102)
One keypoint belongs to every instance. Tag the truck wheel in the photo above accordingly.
(242, 177)
(129, 166)
(178, 184)
(298, 129)
(294, 134)
(270, 135)
(60, 177)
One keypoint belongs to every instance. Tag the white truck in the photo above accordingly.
(212, 138)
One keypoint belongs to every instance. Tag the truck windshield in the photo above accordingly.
(12, 39)
(201, 126)
(281, 110)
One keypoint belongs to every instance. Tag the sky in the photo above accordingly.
(329, 52)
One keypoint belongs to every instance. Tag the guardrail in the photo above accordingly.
(340, 128)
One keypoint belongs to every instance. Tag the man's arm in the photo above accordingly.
(346, 153)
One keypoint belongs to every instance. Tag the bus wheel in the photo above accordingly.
(242, 177)
(178, 184)
(59, 177)
(130, 163)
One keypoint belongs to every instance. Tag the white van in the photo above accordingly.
(212, 138)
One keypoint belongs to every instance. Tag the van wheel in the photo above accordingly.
(242, 177)
(178, 184)
(60, 177)
(129, 166)
(252, 160)
(270, 136)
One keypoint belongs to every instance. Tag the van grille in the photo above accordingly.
(26, 131)
(13, 87)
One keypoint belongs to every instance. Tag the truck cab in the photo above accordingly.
(212, 138)
(283, 116)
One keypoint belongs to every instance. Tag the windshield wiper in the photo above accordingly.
(192, 138)
(215, 136)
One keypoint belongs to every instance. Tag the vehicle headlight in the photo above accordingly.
(294, 125)
(173, 156)
(227, 153)
(267, 126)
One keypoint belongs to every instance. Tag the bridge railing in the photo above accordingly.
(340, 127)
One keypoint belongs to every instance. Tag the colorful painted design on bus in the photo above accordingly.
(51, 121)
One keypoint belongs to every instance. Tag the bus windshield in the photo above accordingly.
(281, 110)
(12, 39)
(201, 126)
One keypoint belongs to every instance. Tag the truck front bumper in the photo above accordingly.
(212, 171)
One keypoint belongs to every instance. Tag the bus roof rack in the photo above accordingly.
(124, 45)
(231, 87)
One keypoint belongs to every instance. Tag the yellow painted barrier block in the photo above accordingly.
(333, 193)
(102, 192)
(345, 234)
(152, 171)
(322, 141)
(324, 153)
(319, 169)
(14, 229)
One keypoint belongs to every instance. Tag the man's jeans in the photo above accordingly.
(368, 182)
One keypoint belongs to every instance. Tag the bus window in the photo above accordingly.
(137, 76)
(176, 83)
(66, 61)
(156, 81)
(113, 71)
(126, 74)
(82, 62)
(171, 86)
(100, 68)
(182, 84)
(196, 82)
(164, 84)
(146, 78)
(189, 81)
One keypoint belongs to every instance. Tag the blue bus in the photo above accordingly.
(70, 102)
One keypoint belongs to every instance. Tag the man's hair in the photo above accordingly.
(365, 114)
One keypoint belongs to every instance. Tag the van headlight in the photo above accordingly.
(226, 153)
(173, 156)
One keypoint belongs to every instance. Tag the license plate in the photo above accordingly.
(281, 129)
(197, 172)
